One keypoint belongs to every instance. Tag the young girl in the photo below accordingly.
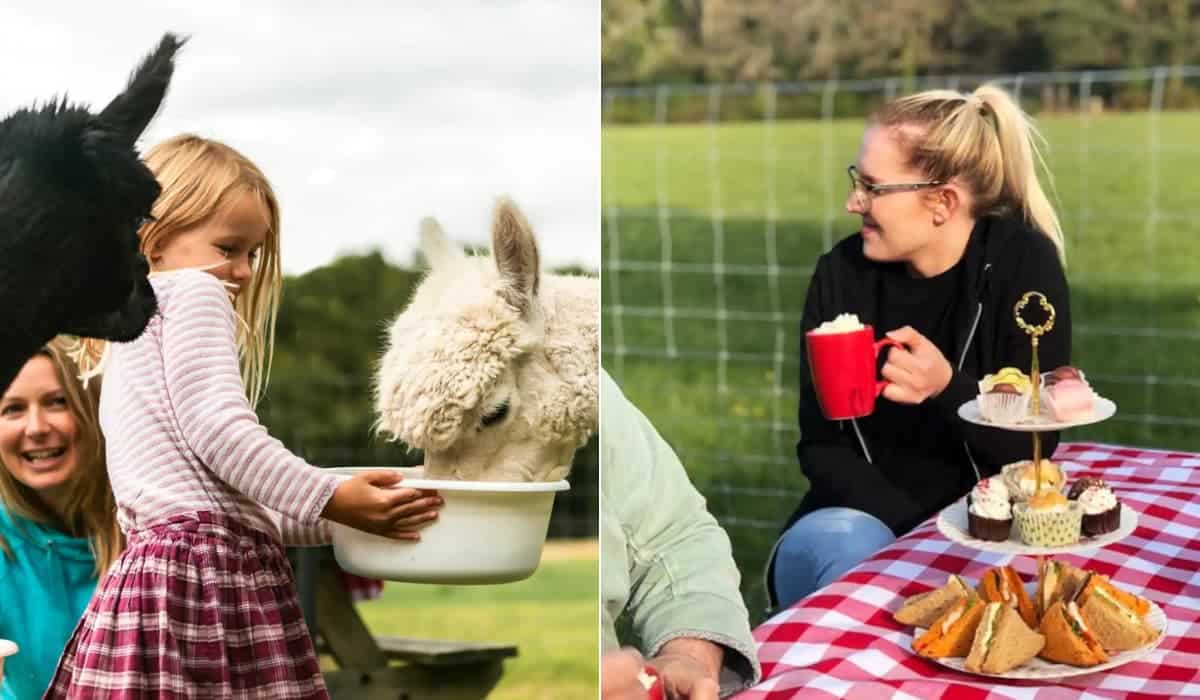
(58, 523)
(955, 229)
(202, 602)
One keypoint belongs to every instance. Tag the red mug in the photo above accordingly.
(843, 371)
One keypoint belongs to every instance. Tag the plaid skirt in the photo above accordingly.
(199, 606)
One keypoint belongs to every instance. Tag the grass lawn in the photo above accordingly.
(716, 373)
(552, 617)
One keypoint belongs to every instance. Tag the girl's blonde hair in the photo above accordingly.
(985, 139)
(91, 510)
(199, 177)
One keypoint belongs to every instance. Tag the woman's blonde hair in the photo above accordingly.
(90, 509)
(200, 177)
(985, 139)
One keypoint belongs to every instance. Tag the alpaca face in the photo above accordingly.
(492, 369)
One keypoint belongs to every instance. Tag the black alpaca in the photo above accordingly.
(73, 192)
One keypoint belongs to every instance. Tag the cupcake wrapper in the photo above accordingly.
(988, 529)
(1102, 523)
(1040, 529)
(1004, 408)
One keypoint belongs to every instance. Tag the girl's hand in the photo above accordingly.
(917, 371)
(372, 501)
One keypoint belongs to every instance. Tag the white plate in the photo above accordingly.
(952, 522)
(1039, 668)
(1105, 409)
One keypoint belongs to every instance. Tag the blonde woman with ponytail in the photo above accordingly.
(206, 497)
(58, 522)
(956, 227)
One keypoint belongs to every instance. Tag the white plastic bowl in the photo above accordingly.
(486, 532)
(7, 648)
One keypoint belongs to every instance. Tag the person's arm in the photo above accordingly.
(297, 534)
(1037, 270)
(683, 580)
(204, 382)
(826, 448)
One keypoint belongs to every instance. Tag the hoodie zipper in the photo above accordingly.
(963, 358)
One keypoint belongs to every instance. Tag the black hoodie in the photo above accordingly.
(923, 457)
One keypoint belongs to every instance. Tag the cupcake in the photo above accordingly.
(1021, 478)
(1101, 509)
(1004, 396)
(1083, 484)
(989, 514)
(1048, 519)
(1067, 395)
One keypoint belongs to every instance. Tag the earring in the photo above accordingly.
(938, 221)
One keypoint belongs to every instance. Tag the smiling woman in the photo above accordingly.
(58, 528)
(956, 228)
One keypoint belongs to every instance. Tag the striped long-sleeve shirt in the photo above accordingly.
(180, 434)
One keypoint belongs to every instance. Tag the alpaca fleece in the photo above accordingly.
(493, 367)
(73, 192)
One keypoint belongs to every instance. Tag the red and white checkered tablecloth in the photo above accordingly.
(841, 642)
(362, 588)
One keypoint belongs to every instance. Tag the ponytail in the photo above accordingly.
(986, 141)
(1021, 157)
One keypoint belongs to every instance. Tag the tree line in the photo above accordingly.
(721, 41)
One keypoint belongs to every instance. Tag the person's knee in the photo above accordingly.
(854, 530)
(822, 546)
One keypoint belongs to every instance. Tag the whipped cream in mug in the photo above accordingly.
(844, 323)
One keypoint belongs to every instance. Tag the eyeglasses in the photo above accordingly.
(864, 191)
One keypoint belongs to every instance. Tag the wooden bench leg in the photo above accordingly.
(346, 635)
(435, 671)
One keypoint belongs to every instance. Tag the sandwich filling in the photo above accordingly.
(1116, 604)
(1050, 583)
(1002, 585)
(953, 617)
(989, 626)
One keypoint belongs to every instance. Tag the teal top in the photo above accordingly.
(44, 587)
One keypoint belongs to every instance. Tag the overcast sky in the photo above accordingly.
(365, 116)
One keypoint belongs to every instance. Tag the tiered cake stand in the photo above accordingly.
(952, 521)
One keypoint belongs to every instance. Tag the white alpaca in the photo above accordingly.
(493, 368)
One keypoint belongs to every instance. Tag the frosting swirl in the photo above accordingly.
(1097, 499)
(989, 499)
(1006, 375)
(1046, 501)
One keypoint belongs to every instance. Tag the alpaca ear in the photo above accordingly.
(516, 255)
(438, 249)
(130, 112)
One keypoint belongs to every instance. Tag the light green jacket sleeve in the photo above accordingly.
(664, 559)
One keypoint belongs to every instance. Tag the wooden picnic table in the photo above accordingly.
(380, 667)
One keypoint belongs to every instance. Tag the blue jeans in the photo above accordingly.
(820, 547)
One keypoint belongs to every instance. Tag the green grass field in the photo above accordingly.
(552, 617)
(1125, 190)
